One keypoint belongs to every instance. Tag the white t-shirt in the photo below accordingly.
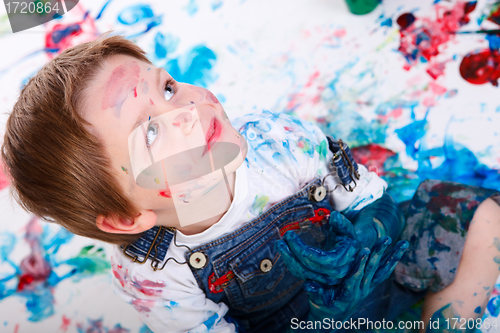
(284, 154)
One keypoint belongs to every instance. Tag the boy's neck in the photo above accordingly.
(212, 202)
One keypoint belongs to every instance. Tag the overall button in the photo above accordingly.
(266, 265)
(318, 193)
(198, 260)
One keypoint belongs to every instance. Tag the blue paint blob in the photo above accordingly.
(102, 9)
(386, 23)
(478, 310)
(195, 67)
(192, 7)
(493, 306)
(134, 14)
(216, 4)
(494, 41)
(165, 44)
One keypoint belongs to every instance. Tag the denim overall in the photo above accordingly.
(242, 269)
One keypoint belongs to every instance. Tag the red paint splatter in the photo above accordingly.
(165, 193)
(288, 129)
(425, 38)
(16, 329)
(135, 92)
(481, 67)
(142, 305)
(313, 77)
(146, 287)
(65, 323)
(372, 156)
(122, 81)
(151, 102)
(60, 37)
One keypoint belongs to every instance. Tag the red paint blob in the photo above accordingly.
(372, 156)
(481, 67)
(405, 20)
(495, 16)
(165, 193)
(135, 92)
(151, 102)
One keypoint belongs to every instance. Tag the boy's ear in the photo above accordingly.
(115, 225)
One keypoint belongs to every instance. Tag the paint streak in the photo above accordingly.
(147, 287)
(135, 14)
(125, 169)
(65, 323)
(195, 67)
(422, 39)
(142, 305)
(151, 102)
(373, 157)
(165, 193)
(122, 81)
(258, 204)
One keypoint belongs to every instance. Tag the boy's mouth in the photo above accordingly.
(213, 134)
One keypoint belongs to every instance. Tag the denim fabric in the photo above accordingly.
(159, 247)
(263, 301)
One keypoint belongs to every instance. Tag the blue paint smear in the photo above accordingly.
(192, 7)
(494, 41)
(145, 329)
(494, 306)
(210, 322)
(134, 14)
(386, 23)
(195, 67)
(216, 4)
(102, 9)
(478, 310)
(165, 44)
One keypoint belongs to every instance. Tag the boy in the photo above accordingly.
(111, 147)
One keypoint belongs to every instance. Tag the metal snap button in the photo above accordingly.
(266, 265)
(198, 260)
(318, 193)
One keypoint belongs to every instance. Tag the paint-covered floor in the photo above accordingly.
(414, 95)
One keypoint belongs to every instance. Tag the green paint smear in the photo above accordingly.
(90, 261)
(322, 150)
(259, 203)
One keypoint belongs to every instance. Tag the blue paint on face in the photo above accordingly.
(195, 67)
(478, 310)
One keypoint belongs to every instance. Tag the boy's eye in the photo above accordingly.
(169, 89)
(151, 134)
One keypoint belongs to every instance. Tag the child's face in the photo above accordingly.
(161, 135)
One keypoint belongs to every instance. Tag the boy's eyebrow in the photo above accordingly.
(158, 73)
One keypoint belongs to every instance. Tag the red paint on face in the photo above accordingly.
(182, 118)
(151, 102)
(165, 193)
(135, 92)
(211, 97)
(122, 81)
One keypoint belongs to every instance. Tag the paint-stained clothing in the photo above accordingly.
(285, 155)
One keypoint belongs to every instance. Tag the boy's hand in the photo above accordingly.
(334, 288)
(328, 265)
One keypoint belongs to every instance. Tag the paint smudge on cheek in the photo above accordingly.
(151, 102)
(125, 169)
(122, 81)
(145, 87)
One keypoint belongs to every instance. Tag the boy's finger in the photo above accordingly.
(387, 268)
(351, 285)
(341, 226)
(296, 267)
(374, 262)
(324, 262)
